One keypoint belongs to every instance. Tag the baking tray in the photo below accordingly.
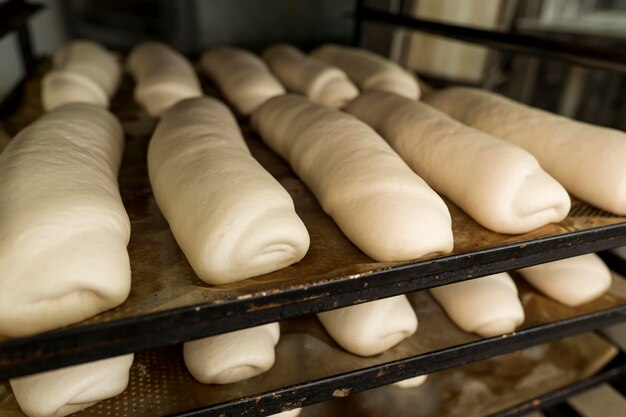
(168, 304)
(308, 363)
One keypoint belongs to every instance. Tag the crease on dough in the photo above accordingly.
(234, 356)
(368, 70)
(383, 207)
(163, 76)
(371, 328)
(63, 251)
(572, 281)
(241, 76)
(83, 72)
(65, 391)
(587, 160)
(230, 217)
(498, 184)
(319, 82)
(488, 306)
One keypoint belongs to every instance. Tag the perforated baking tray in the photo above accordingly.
(169, 304)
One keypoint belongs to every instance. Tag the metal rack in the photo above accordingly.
(141, 324)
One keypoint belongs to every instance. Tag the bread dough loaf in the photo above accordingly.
(411, 382)
(378, 202)
(320, 83)
(68, 390)
(231, 218)
(163, 76)
(368, 70)
(82, 72)
(234, 356)
(587, 160)
(371, 328)
(64, 229)
(571, 281)
(488, 306)
(243, 77)
(499, 185)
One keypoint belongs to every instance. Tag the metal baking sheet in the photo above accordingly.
(310, 367)
(169, 304)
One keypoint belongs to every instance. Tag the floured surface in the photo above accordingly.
(160, 384)
(163, 279)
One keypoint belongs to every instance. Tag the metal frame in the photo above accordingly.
(88, 342)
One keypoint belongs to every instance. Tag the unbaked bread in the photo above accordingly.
(319, 82)
(163, 77)
(368, 70)
(371, 328)
(64, 229)
(499, 185)
(65, 391)
(587, 160)
(242, 77)
(231, 218)
(488, 306)
(571, 281)
(234, 356)
(411, 382)
(82, 72)
(378, 202)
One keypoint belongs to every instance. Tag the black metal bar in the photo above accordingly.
(360, 380)
(357, 36)
(90, 342)
(614, 371)
(26, 48)
(14, 14)
(576, 53)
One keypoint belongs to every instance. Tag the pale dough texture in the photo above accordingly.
(499, 185)
(163, 77)
(488, 306)
(64, 229)
(371, 328)
(231, 218)
(411, 382)
(378, 202)
(65, 391)
(319, 82)
(241, 76)
(587, 160)
(368, 70)
(82, 72)
(234, 356)
(571, 281)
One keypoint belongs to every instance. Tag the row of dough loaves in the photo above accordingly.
(488, 306)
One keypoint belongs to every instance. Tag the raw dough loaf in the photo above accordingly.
(234, 356)
(312, 78)
(64, 229)
(488, 306)
(371, 328)
(411, 382)
(164, 77)
(572, 281)
(83, 72)
(588, 160)
(243, 77)
(68, 390)
(498, 184)
(368, 70)
(378, 202)
(231, 218)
